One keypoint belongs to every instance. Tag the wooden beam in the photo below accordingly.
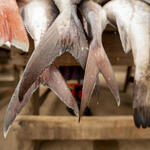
(112, 45)
(68, 128)
(113, 48)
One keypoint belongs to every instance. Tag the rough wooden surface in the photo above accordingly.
(111, 42)
(113, 48)
(90, 128)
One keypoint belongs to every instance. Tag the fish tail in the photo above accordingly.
(55, 81)
(52, 78)
(141, 104)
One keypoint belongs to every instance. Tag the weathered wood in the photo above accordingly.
(4, 56)
(5, 97)
(111, 43)
(113, 48)
(35, 103)
(7, 83)
(90, 128)
(14, 82)
(44, 96)
(30, 109)
(68, 145)
(106, 145)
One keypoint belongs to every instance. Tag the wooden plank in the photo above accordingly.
(4, 56)
(68, 128)
(7, 83)
(5, 97)
(111, 43)
(68, 145)
(43, 97)
(106, 145)
(113, 48)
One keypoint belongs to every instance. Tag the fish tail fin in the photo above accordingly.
(79, 47)
(53, 44)
(15, 106)
(108, 73)
(52, 78)
(90, 77)
(97, 62)
(55, 81)
(141, 104)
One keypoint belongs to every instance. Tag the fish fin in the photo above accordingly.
(53, 44)
(42, 57)
(141, 55)
(124, 37)
(91, 73)
(12, 31)
(55, 81)
(141, 104)
(15, 106)
(107, 71)
(97, 62)
(79, 47)
(52, 78)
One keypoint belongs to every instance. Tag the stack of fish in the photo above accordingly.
(76, 26)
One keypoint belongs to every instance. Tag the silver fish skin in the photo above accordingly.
(104, 1)
(146, 1)
(47, 11)
(65, 34)
(51, 77)
(38, 15)
(97, 60)
(132, 18)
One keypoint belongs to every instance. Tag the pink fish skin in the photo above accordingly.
(12, 31)
(97, 58)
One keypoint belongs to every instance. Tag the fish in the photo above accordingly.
(100, 1)
(132, 17)
(12, 30)
(51, 77)
(97, 60)
(64, 35)
(146, 1)
(105, 1)
(22, 3)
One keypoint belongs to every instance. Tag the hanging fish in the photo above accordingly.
(146, 1)
(12, 31)
(132, 17)
(97, 59)
(50, 76)
(104, 1)
(65, 34)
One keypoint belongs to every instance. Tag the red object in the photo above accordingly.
(11, 25)
(73, 86)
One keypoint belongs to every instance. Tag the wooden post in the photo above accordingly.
(31, 109)
(89, 128)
